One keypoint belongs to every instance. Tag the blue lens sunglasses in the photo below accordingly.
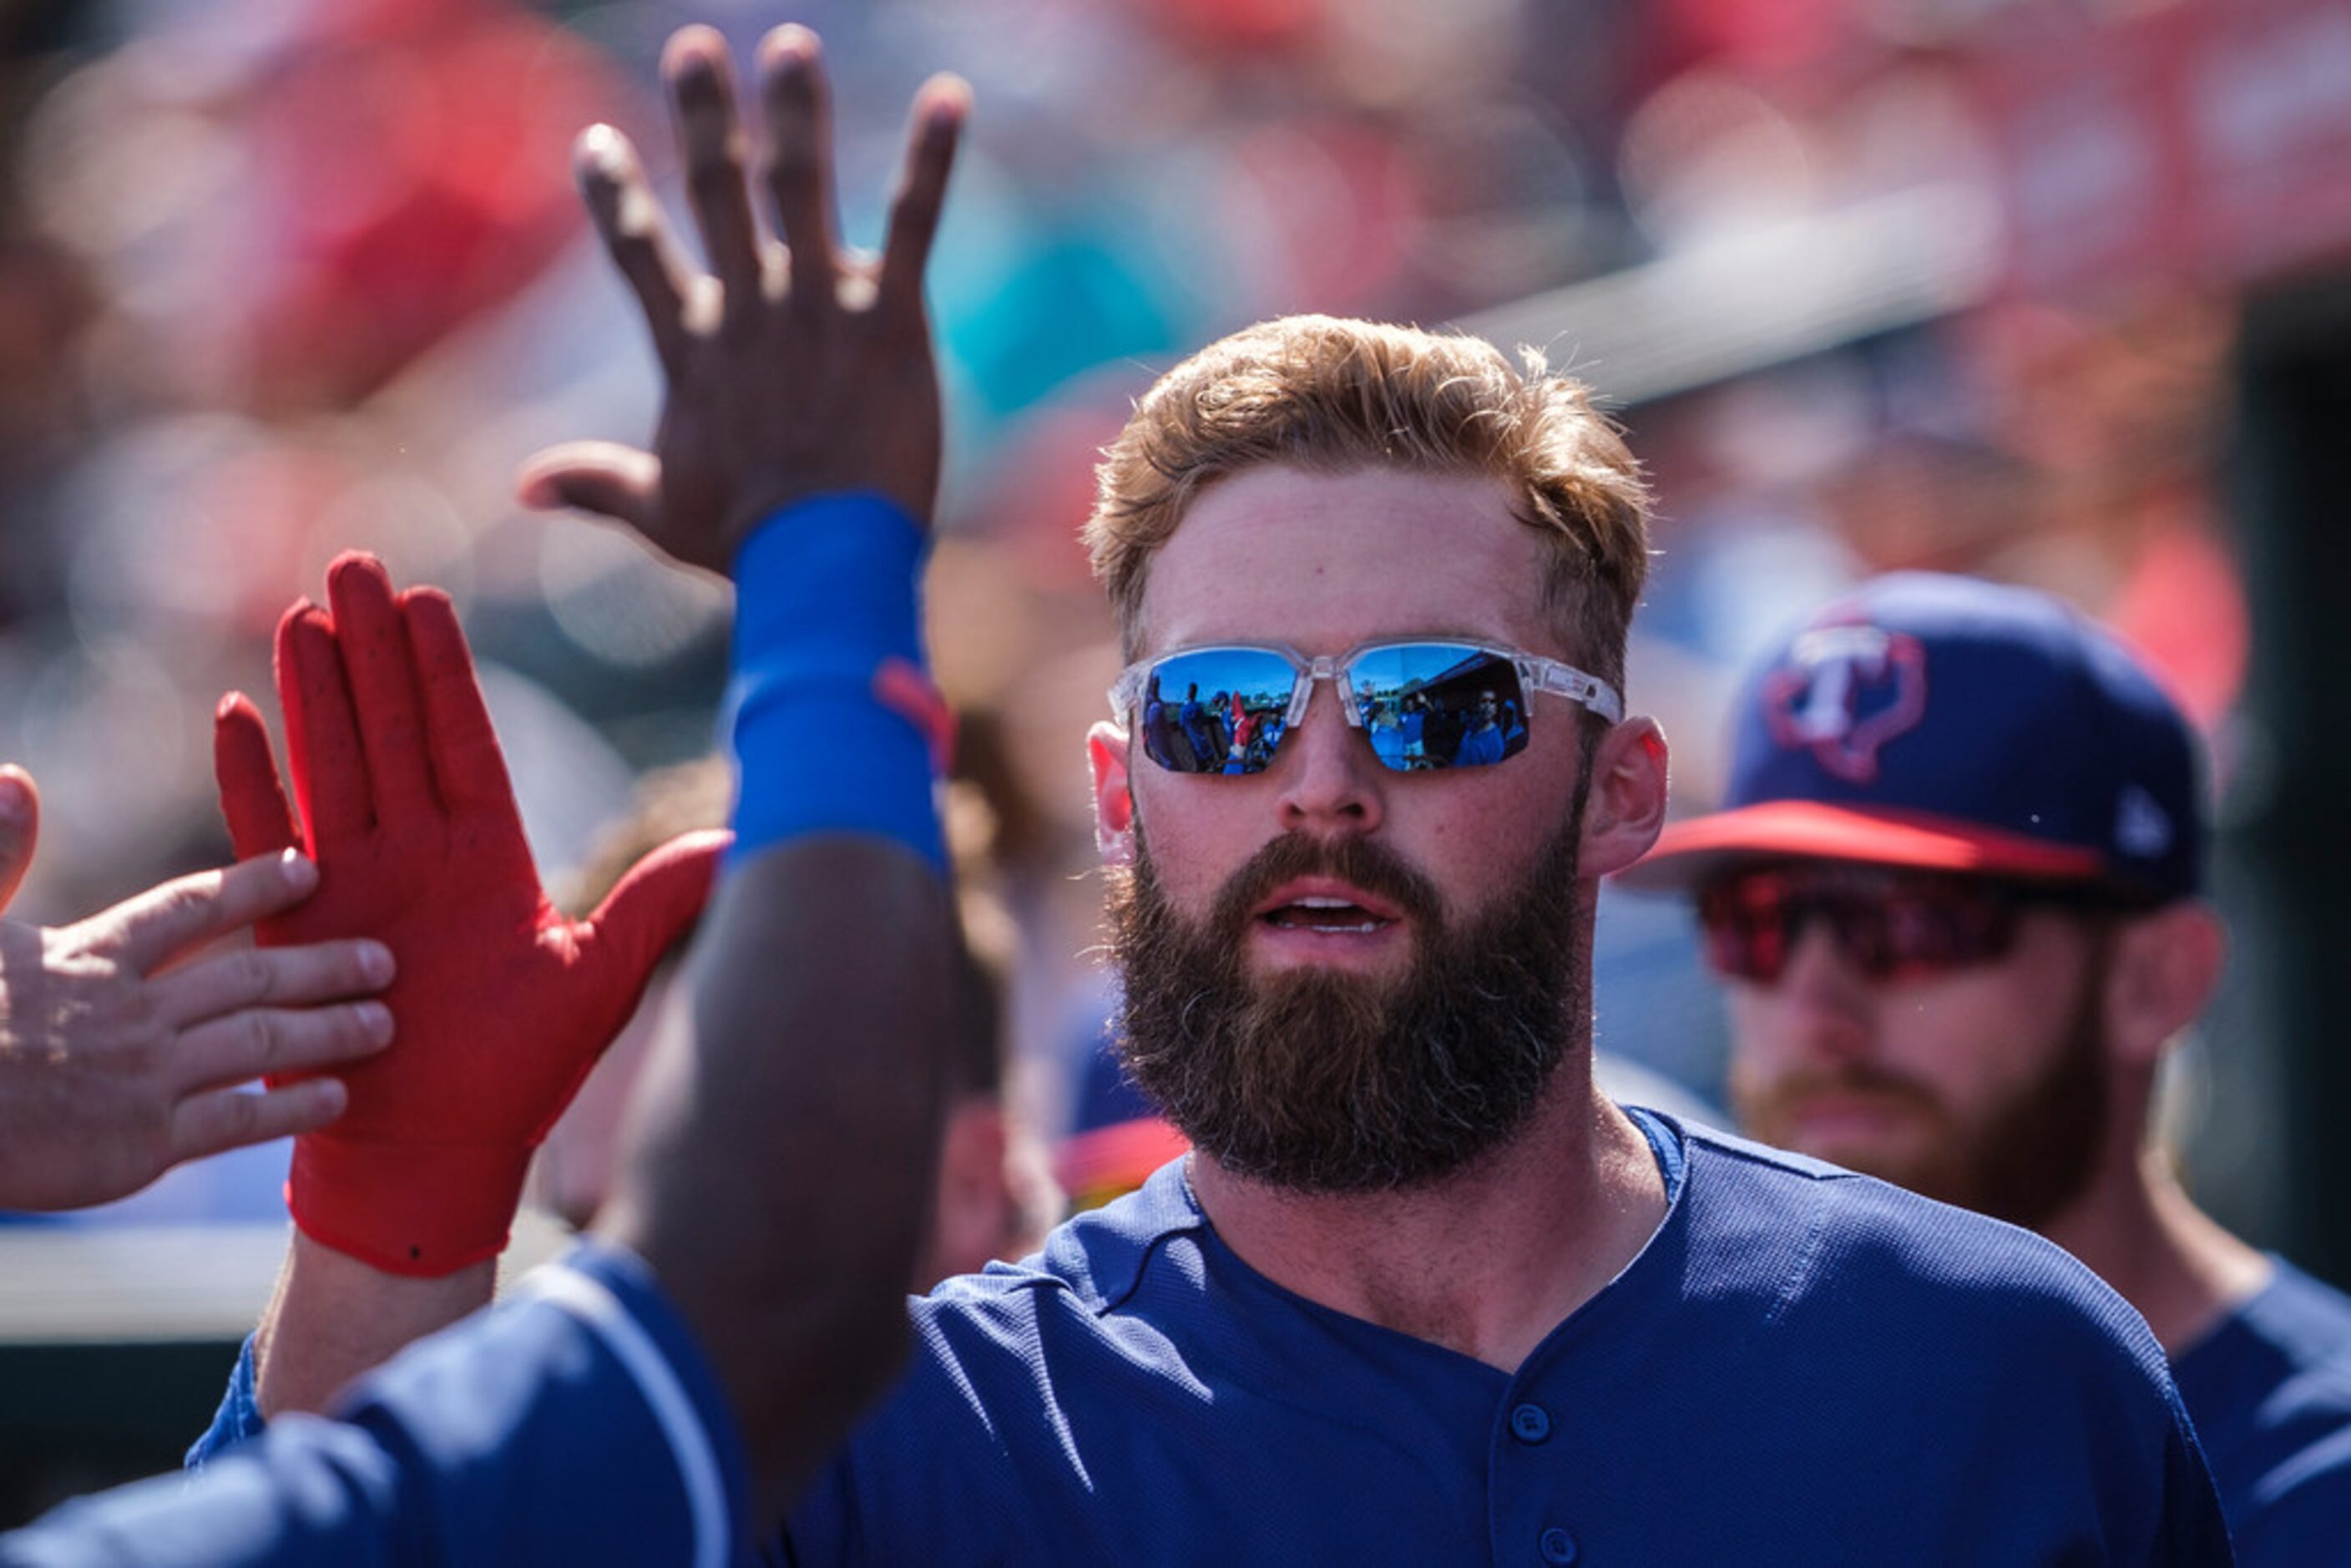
(1423, 704)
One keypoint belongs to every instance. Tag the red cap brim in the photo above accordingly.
(1688, 852)
(1122, 1154)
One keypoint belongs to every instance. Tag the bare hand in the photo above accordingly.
(115, 1065)
(793, 369)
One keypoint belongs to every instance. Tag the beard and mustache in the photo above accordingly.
(1321, 1081)
(1333, 1082)
(2023, 1160)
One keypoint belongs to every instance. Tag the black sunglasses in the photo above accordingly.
(1889, 923)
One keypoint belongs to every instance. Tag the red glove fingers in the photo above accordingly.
(253, 801)
(322, 736)
(501, 1005)
(470, 770)
(381, 678)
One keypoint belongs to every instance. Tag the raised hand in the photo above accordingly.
(793, 369)
(116, 1065)
(502, 1004)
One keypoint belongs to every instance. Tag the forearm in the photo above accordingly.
(333, 1318)
(781, 1146)
(576, 1424)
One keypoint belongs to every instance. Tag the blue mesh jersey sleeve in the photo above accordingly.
(1802, 1367)
(238, 1417)
(575, 1422)
(2270, 1389)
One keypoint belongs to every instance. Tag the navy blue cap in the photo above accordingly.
(1117, 1136)
(1106, 1096)
(1951, 724)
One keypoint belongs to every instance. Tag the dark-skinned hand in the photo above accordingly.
(793, 367)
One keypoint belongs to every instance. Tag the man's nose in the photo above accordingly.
(1826, 1006)
(1328, 778)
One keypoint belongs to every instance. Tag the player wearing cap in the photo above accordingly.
(1420, 1294)
(1955, 893)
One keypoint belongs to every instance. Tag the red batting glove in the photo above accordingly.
(501, 1004)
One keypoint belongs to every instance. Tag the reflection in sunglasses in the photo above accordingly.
(1421, 705)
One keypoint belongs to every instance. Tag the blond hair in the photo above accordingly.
(1329, 395)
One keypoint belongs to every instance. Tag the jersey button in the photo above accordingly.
(1556, 1545)
(1530, 1423)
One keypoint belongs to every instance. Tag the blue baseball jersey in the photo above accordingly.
(1804, 1366)
(576, 1422)
(2270, 1389)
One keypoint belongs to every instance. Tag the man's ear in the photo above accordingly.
(1625, 809)
(1106, 754)
(2163, 969)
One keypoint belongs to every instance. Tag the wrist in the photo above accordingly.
(417, 1210)
(913, 504)
(831, 719)
(844, 560)
(336, 1316)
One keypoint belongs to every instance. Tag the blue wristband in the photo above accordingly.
(826, 597)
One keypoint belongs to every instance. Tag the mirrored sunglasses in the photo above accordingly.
(1421, 704)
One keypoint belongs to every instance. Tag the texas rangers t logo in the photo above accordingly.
(1845, 691)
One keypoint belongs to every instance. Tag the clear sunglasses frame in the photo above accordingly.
(1535, 672)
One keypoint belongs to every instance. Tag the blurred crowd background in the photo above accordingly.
(2054, 290)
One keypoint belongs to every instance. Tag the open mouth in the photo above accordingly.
(1328, 911)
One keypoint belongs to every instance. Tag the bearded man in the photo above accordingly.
(1421, 1293)
(1956, 902)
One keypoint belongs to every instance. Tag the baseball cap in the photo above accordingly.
(1117, 1136)
(1946, 723)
